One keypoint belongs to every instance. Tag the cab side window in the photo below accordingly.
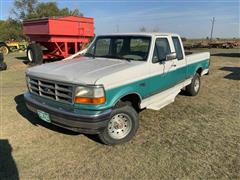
(161, 50)
(178, 48)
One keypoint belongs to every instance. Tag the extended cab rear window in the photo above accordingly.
(178, 48)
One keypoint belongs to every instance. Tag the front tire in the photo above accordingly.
(194, 88)
(122, 125)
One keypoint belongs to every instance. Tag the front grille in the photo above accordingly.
(50, 89)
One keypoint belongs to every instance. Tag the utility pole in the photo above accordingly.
(117, 28)
(213, 21)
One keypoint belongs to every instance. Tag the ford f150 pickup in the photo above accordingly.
(101, 91)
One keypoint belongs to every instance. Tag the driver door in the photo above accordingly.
(160, 69)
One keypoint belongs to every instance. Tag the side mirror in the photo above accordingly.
(171, 56)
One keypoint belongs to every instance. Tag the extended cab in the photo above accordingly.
(102, 91)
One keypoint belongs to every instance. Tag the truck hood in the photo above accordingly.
(83, 70)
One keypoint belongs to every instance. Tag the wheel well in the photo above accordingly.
(134, 99)
(199, 71)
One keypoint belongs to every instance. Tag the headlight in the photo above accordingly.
(89, 95)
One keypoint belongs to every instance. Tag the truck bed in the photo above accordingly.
(196, 57)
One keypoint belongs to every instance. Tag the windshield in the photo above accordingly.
(120, 47)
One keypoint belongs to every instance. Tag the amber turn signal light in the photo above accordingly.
(84, 100)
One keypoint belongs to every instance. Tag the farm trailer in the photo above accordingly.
(57, 37)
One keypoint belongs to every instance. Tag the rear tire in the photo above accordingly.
(194, 88)
(4, 49)
(122, 125)
(34, 53)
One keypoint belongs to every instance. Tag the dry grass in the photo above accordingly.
(194, 137)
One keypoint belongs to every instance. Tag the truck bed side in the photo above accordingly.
(197, 62)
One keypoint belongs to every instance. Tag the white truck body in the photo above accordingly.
(153, 76)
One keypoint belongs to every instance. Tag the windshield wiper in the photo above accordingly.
(119, 57)
(89, 55)
(109, 56)
(127, 59)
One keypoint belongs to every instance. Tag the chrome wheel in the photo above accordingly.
(119, 126)
(196, 85)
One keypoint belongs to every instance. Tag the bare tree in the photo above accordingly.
(142, 29)
(156, 29)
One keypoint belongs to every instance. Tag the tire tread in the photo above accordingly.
(36, 52)
(126, 108)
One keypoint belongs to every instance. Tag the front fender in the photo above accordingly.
(114, 95)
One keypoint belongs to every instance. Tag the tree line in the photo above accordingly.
(11, 28)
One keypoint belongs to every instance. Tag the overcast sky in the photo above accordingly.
(189, 18)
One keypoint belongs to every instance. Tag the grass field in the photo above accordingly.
(192, 138)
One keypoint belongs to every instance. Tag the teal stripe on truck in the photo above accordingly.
(153, 85)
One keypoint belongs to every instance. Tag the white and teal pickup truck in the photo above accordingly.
(102, 91)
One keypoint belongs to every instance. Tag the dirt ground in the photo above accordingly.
(192, 138)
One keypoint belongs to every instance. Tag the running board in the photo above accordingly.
(164, 98)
